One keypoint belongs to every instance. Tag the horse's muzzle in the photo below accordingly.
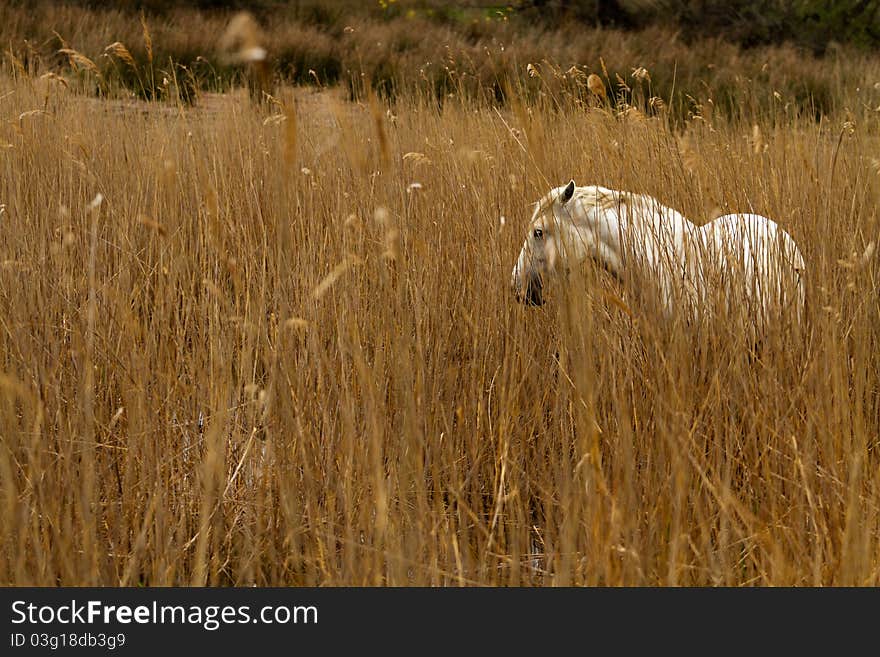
(533, 293)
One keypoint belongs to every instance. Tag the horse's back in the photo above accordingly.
(766, 255)
(759, 232)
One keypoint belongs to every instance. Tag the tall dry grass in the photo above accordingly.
(262, 356)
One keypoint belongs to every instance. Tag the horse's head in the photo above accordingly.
(543, 248)
(569, 226)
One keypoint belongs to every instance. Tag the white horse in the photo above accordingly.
(745, 261)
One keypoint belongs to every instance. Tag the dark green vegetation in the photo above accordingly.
(438, 50)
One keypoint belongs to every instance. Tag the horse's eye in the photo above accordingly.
(538, 234)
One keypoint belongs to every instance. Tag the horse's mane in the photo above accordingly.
(601, 197)
(592, 195)
(639, 205)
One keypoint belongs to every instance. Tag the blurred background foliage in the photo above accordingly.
(702, 55)
(810, 23)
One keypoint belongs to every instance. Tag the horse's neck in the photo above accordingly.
(638, 232)
(655, 235)
(652, 243)
(655, 218)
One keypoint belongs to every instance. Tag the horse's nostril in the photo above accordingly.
(534, 298)
(534, 289)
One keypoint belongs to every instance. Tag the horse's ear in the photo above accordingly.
(567, 193)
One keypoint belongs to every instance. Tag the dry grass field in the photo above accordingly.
(240, 346)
